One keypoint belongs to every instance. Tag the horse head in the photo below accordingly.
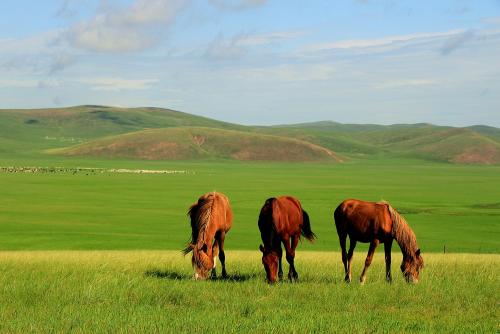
(411, 266)
(202, 263)
(270, 262)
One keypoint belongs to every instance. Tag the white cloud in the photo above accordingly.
(237, 4)
(289, 73)
(396, 84)
(456, 41)
(222, 48)
(29, 83)
(376, 42)
(117, 84)
(133, 28)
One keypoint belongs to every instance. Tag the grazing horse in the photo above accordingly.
(282, 220)
(211, 218)
(376, 222)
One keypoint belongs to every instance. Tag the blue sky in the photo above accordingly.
(258, 61)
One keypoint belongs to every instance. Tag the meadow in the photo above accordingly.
(452, 206)
(152, 291)
(99, 251)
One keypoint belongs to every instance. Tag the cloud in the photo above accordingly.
(395, 84)
(289, 73)
(39, 54)
(237, 4)
(117, 84)
(225, 49)
(456, 41)
(133, 28)
(222, 48)
(67, 9)
(60, 62)
(29, 83)
(376, 42)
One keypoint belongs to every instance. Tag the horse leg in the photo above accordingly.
(280, 268)
(387, 248)
(215, 251)
(369, 258)
(222, 255)
(342, 239)
(352, 245)
(290, 256)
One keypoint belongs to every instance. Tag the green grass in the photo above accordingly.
(446, 205)
(151, 291)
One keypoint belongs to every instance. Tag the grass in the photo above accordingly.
(152, 291)
(447, 206)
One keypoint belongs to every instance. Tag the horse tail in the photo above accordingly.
(338, 216)
(306, 227)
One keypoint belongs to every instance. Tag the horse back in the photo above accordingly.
(287, 215)
(222, 213)
(363, 221)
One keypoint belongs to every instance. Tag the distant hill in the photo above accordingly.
(193, 143)
(156, 133)
(476, 144)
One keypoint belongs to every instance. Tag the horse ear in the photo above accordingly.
(417, 253)
(261, 248)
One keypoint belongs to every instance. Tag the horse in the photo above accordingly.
(282, 220)
(377, 222)
(211, 218)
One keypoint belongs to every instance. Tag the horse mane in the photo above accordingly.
(401, 231)
(200, 214)
(266, 222)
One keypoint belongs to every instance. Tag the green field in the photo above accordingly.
(151, 291)
(447, 205)
(94, 250)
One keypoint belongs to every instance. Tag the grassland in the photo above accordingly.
(91, 250)
(151, 291)
(447, 205)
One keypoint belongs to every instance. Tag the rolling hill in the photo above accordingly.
(193, 143)
(155, 133)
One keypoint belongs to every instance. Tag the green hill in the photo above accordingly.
(30, 132)
(193, 143)
(36, 129)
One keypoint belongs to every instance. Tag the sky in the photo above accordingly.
(258, 62)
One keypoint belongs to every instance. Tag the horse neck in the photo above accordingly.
(403, 234)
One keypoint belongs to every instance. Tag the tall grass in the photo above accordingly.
(152, 291)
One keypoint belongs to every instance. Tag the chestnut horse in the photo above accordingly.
(282, 220)
(211, 218)
(376, 222)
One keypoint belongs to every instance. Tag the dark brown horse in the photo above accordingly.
(211, 218)
(376, 222)
(282, 220)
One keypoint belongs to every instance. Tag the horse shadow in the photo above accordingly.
(182, 276)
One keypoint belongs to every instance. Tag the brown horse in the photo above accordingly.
(211, 218)
(282, 220)
(376, 222)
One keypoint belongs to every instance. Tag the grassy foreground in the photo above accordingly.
(151, 291)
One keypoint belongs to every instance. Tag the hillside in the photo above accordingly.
(476, 144)
(89, 129)
(36, 129)
(193, 143)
